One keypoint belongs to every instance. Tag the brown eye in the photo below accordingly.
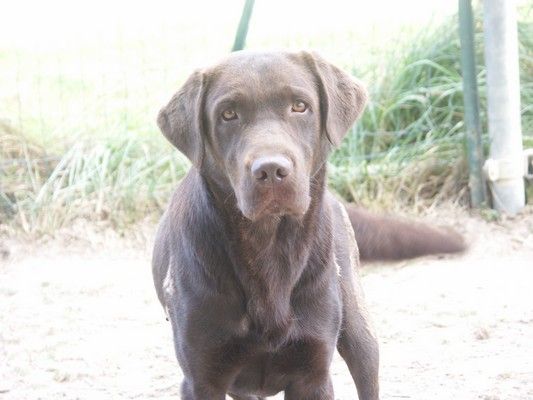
(229, 114)
(299, 106)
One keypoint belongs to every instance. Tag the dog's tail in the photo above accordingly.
(384, 238)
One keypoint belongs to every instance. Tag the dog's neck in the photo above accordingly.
(270, 255)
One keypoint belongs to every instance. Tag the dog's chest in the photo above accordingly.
(268, 277)
(269, 314)
(271, 274)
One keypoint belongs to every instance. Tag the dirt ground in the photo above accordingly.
(79, 318)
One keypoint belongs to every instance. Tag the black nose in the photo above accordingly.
(271, 168)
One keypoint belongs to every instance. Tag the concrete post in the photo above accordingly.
(504, 168)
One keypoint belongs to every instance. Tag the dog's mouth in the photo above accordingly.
(275, 202)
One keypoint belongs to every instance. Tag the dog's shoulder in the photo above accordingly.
(172, 226)
(346, 249)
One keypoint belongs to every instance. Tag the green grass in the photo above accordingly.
(409, 146)
(119, 180)
(78, 137)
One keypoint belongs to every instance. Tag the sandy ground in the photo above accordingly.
(79, 319)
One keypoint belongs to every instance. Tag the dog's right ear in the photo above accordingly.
(181, 119)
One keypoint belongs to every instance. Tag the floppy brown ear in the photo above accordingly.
(342, 98)
(181, 119)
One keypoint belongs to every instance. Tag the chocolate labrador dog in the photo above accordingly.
(255, 261)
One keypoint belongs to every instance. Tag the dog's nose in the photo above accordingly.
(271, 168)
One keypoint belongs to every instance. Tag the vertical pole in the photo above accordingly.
(503, 95)
(471, 102)
(242, 30)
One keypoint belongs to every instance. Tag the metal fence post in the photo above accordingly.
(471, 104)
(242, 30)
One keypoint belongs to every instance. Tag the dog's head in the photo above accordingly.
(262, 124)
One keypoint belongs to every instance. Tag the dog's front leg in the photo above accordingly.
(357, 342)
(191, 390)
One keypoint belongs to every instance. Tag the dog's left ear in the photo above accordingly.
(342, 98)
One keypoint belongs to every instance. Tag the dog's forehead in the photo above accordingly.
(260, 71)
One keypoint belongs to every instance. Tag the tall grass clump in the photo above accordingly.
(119, 180)
(409, 146)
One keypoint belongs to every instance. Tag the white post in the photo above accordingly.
(505, 166)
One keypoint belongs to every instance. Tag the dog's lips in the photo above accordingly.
(275, 202)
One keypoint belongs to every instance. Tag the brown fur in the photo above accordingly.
(259, 276)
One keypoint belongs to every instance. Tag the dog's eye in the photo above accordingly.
(229, 114)
(299, 106)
